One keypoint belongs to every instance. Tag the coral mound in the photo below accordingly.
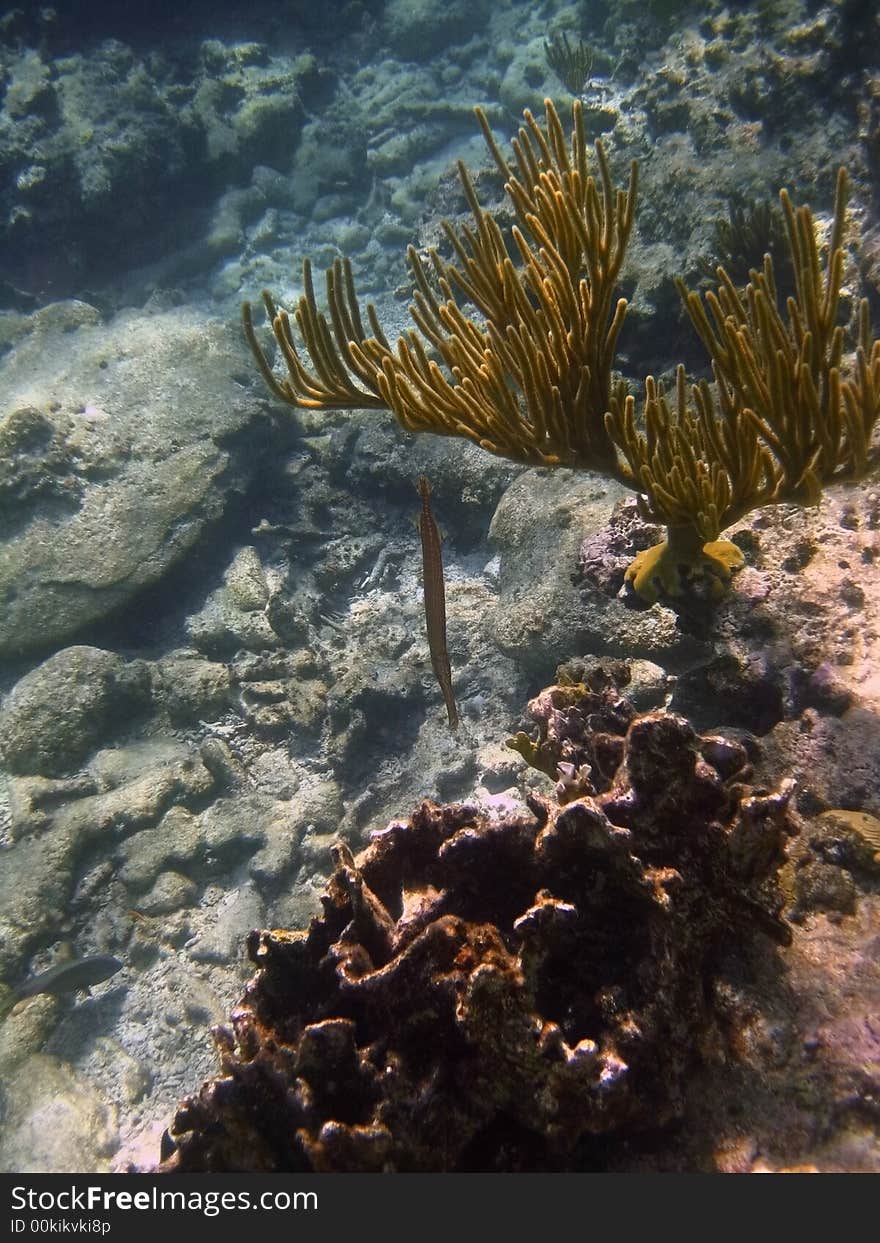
(485, 993)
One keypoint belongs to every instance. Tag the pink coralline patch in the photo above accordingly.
(837, 971)
(752, 586)
(855, 1040)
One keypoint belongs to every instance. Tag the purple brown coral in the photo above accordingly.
(486, 994)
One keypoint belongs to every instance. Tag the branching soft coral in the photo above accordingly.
(781, 421)
(529, 376)
(531, 379)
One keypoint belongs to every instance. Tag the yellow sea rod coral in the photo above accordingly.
(529, 375)
(781, 421)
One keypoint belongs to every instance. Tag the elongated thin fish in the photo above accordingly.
(435, 600)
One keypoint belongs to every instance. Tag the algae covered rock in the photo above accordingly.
(58, 1117)
(418, 28)
(59, 712)
(122, 447)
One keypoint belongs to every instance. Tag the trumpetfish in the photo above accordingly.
(435, 600)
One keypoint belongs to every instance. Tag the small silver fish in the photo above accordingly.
(68, 977)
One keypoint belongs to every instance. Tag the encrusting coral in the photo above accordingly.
(489, 993)
(530, 378)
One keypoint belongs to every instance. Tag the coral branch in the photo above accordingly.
(529, 377)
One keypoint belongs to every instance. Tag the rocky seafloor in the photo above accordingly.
(214, 660)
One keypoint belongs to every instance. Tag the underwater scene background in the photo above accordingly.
(626, 915)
